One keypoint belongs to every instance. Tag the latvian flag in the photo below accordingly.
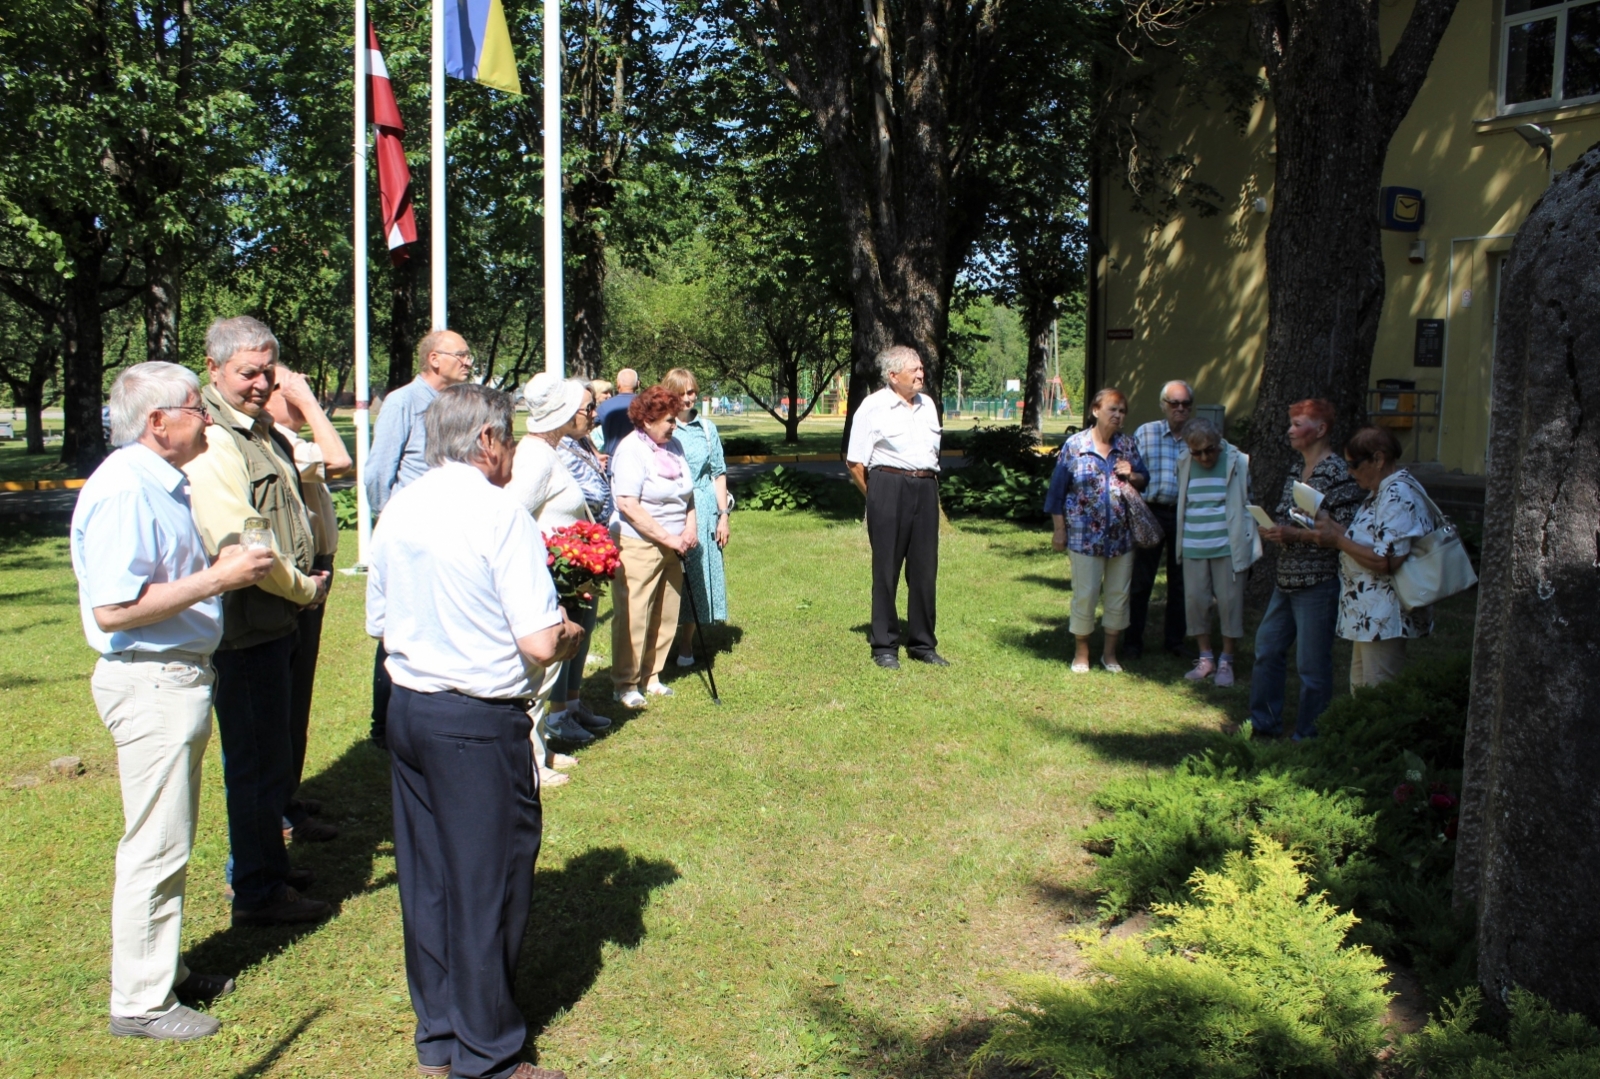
(394, 175)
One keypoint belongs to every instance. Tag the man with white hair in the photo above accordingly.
(148, 597)
(893, 458)
(247, 481)
(459, 591)
(399, 455)
(1160, 443)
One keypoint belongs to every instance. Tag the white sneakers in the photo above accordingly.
(633, 699)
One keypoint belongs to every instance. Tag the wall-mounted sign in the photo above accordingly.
(1402, 209)
(1429, 348)
(1122, 334)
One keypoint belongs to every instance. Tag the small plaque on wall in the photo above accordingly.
(1429, 348)
(1124, 333)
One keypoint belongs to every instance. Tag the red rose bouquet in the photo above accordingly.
(582, 558)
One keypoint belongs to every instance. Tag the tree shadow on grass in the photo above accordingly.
(1062, 583)
(597, 898)
(354, 790)
(1159, 748)
(856, 1042)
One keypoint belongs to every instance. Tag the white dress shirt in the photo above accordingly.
(132, 527)
(457, 575)
(888, 431)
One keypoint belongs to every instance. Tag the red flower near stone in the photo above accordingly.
(1442, 800)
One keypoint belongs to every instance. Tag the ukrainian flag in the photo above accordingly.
(477, 45)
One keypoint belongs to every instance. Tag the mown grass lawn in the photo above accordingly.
(834, 873)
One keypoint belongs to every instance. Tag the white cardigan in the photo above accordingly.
(542, 483)
(1244, 541)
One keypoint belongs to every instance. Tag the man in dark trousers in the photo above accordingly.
(1160, 443)
(458, 591)
(894, 459)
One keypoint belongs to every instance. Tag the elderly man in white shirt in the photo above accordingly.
(458, 590)
(894, 459)
(148, 595)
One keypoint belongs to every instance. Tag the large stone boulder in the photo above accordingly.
(1530, 827)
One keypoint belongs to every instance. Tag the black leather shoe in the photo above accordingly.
(292, 909)
(932, 659)
(200, 988)
(887, 661)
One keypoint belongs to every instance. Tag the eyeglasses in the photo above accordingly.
(590, 409)
(198, 410)
(464, 354)
(1178, 404)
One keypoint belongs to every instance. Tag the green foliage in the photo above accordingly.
(1369, 805)
(1540, 1043)
(1011, 445)
(746, 446)
(782, 489)
(346, 509)
(993, 490)
(1252, 977)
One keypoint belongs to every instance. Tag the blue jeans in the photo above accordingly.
(571, 679)
(1302, 619)
(254, 703)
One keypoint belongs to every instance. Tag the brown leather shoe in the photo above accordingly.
(292, 909)
(528, 1071)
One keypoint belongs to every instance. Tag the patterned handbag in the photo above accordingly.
(1142, 523)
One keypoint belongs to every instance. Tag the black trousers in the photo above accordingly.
(903, 527)
(253, 702)
(467, 825)
(381, 688)
(1146, 563)
(304, 662)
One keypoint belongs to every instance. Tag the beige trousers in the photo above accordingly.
(159, 714)
(1212, 579)
(646, 593)
(1373, 663)
(1095, 578)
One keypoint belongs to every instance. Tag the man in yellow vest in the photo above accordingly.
(248, 471)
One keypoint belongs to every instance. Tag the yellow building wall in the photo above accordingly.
(1193, 290)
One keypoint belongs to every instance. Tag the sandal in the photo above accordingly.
(1111, 665)
(1079, 668)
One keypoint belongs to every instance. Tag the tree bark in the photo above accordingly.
(1337, 106)
(587, 200)
(1531, 807)
(1040, 318)
(83, 441)
(163, 267)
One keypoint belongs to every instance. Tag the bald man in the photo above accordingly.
(1160, 442)
(612, 415)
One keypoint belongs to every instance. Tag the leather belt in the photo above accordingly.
(916, 473)
(521, 703)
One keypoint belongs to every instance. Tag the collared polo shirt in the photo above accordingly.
(457, 575)
(889, 431)
(1160, 449)
(132, 527)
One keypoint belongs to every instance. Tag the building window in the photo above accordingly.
(1549, 54)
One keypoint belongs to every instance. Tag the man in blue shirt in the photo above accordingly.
(612, 415)
(1160, 442)
(398, 456)
(148, 598)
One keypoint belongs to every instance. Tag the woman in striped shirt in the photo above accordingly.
(1218, 540)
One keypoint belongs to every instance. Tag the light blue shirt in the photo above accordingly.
(1160, 449)
(399, 442)
(133, 527)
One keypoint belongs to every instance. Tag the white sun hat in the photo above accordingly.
(552, 401)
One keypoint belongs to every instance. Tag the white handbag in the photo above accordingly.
(1438, 566)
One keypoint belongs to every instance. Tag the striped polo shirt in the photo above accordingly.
(1205, 514)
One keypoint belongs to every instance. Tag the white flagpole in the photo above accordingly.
(554, 342)
(436, 221)
(358, 179)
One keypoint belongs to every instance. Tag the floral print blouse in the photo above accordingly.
(1084, 489)
(1391, 517)
(1305, 565)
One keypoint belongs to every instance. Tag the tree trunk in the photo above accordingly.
(402, 324)
(1336, 108)
(1040, 317)
(163, 267)
(1531, 807)
(586, 276)
(83, 441)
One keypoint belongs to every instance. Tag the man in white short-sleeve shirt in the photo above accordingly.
(148, 596)
(458, 590)
(894, 459)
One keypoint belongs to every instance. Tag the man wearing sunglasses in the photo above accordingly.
(1160, 442)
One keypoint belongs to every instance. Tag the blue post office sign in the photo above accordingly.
(1402, 209)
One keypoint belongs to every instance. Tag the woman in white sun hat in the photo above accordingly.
(540, 480)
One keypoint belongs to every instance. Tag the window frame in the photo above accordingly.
(1559, 11)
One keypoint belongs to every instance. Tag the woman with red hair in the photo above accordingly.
(1305, 601)
(655, 527)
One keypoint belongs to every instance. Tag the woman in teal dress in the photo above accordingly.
(702, 448)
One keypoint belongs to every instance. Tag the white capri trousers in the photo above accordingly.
(1095, 579)
(159, 714)
(1373, 663)
(1212, 579)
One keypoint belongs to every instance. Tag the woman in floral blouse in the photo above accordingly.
(1089, 507)
(1304, 608)
(1370, 550)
